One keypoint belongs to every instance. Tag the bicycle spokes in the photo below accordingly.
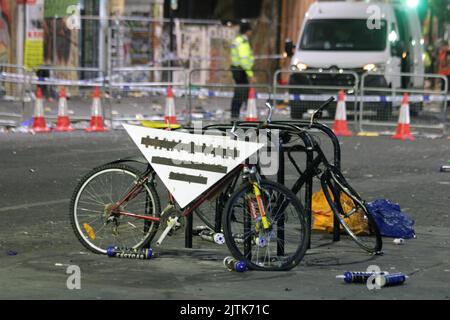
(268, 241)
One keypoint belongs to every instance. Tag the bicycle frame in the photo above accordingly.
(299, 128)
(214, 190)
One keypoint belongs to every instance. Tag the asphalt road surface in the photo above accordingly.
(39, 173)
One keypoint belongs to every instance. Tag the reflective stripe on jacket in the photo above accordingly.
(242, 54)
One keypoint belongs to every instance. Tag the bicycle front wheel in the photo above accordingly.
(99, 191)
(281, 245)
(351, 211)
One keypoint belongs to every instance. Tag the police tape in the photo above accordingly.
(206, 93)
(24, 78)
(152, 87)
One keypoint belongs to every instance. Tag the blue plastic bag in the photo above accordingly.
(391, 221)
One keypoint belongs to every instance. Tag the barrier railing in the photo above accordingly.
(214, 100)
(140, 92)
(306, 88)
(144, 89)
(78, 91)
(12, 94)
(379, 105)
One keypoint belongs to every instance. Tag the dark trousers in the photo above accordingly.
(45, 89)
(240, 93)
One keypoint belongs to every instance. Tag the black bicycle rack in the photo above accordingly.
(301, 129)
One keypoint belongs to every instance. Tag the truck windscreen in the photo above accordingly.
(343, 35)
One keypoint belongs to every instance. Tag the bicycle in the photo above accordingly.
(334, 185)
(264, 223)
(332, 181)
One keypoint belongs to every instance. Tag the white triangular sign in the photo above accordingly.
(189, 164)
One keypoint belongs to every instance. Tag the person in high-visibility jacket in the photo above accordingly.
(242, 60)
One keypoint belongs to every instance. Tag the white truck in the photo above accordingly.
(361, 37)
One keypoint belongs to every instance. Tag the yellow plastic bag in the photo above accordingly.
(322, 215)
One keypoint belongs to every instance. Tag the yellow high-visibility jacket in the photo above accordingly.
(242, 54)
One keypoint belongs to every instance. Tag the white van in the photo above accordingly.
(361, 37)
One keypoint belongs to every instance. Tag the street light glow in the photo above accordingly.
(392, 37)
(412, 3)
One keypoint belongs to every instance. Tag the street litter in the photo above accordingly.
(197, 229)
(358, 276)
(368, 134)
(323, 215)
(445, 168)
(382, 279)
(393, 279)
(231, 264)
(131, 253)
(391, 221)
(211, 236)
(11, 253)
(61, 265)
(399, 241)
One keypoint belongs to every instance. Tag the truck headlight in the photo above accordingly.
(301, 66)
(373, 67)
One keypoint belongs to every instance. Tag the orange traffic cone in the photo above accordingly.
(403, 132)
(170, 116)
(39, 124)
(63, 122)
(96, 123)
(340, 120)
(252, 113)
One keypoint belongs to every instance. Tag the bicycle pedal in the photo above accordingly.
(170, 224)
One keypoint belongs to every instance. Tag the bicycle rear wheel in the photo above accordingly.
(97, 193)
(281, 246)
(351, 210)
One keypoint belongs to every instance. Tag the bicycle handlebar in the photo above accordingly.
(318, 113)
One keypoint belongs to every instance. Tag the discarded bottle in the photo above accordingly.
(231, 264)
(212, 237)
(129, 253)
(199, 229)
(445, 168)
(261, 241)
(358, 277)
(219, 238)
(391, 279)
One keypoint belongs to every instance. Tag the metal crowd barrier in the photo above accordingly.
(78, 91)
(12, 94)
(211, 99)
(307, 88)
(206, 94)
(428, 107)
(144, 89)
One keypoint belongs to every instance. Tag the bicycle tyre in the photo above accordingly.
(340, 186)
(248, 250)
(118, 173)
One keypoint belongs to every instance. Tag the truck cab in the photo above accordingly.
(361, 37)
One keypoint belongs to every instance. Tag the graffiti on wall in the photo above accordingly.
(5, 31)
